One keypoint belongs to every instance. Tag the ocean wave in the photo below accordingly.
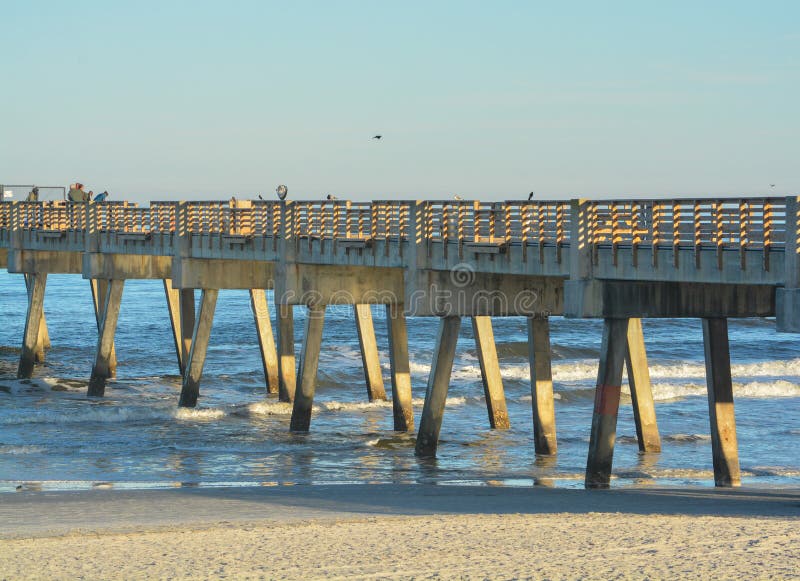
(686, 438)
(199, 414)
(21, 450)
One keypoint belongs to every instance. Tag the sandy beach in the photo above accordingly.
(400, 532)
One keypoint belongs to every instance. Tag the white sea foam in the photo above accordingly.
(104, 414)
(199, 414)
(587, 370)
(270, 408)
(21, 450)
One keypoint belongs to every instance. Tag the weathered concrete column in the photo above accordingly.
(109, 307)
(197, 355)
(33, 320)
(490, 372)
(438, 383)
(644, 410)
(540, 359)
(43, 342)
(369, 353)
(606, 403)
(724, 446)
(266, 340)
(287, 367)
(180, 303)
(188, 321)
(400, 369)
(99, 292)
(309, 361)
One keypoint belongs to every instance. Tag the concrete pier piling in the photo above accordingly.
(190, 390)
(606, 403)
(99, 291)
(33, 320)
(369, 352)
(287, 371)
(180, 303)
(43, 342)
(724, 446)
(266, 340)
(110, 304)
(644, 411)
(543, 408)
(490, 372)
(309, 362)
(400, 368)
(438, 384)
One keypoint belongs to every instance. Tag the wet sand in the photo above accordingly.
(400, 531)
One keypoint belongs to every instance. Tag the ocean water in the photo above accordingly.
(52, 436)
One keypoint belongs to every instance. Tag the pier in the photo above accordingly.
(620, 261)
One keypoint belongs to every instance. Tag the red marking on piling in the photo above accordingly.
(606, 399)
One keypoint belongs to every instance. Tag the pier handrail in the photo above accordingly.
(719, 224)
(739, 224)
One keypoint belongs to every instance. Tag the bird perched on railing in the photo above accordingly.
(282, 192)
(331, 197)
(530, 196)
(457, 198)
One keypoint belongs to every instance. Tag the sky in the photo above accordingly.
(485, 100)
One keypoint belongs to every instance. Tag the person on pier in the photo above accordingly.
(33, 195)
(101, 197)
(78, 194)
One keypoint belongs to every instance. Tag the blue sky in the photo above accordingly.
(180, 100)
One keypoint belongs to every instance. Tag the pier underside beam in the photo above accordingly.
(543, 408)
(369, 352)
(438, 383)
(197, 355)
(99, 291)
(33, 320)
(109, 309)
(287, 369)
(644, 411)
(266, 340)
(309, 362)
(400, 368)
(490, 372)
(606, 403)
(720, 403)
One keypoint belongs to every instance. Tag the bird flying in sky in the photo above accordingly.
(377, 137)
(282, 191)
(332, 197)
(259, 197)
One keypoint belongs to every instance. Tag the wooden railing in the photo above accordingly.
(58, 216)
(715, 224)
(160, 217)
(720, 225)
(242, 218)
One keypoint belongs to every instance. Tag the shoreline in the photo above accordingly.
(56, 513)
(400, 532)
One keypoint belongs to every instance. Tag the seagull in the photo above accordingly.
(530, 196)
(259, 197)
(332, 197)
(377, 137)
(772, 185)
(457, 198)
(282, 191)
